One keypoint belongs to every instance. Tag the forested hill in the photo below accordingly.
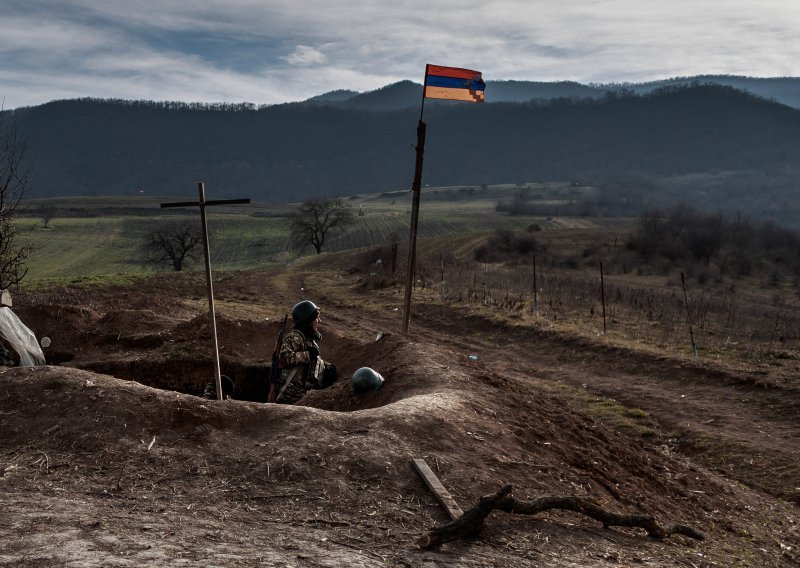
(293, 151)
(785, 90)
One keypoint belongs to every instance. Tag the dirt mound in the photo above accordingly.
(100, 470)
(107, 444)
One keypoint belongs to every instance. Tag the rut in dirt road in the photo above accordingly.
(744, 425)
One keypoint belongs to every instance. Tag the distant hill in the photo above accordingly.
(400, 95)
(407, 94)
(336, 96)
(286, 153)
(785, 90)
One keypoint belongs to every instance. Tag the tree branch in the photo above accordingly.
(471, 523)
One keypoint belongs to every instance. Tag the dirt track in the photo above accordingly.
(101, 471)
(753, 418)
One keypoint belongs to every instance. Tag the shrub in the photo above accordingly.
(505, 245)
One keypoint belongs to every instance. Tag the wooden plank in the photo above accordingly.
(437, 488)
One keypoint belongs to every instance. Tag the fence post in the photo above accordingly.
(688, 315)
(535, 290)
(441, 258)
(603, 296)
(485, 283)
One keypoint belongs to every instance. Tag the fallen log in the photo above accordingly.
(470, 524)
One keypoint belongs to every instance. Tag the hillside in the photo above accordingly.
(110, 459)
(785, 90)
(291, 152)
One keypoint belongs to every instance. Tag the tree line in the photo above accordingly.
(735, 246)
(297, 151)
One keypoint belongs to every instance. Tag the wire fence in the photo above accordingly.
(724, 319)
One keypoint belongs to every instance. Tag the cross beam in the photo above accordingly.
(202, 203)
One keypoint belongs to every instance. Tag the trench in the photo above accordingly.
(188, 375)
(190, 372)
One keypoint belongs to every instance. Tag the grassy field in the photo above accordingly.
(749, 319)
(91, 239)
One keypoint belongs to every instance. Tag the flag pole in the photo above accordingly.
(416, 188)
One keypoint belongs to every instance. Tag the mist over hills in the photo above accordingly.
(343, 143)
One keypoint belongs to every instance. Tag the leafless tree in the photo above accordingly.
(14, 175)
(46, 213)
(174, 245)
(315, 218)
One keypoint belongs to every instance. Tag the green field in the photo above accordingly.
(101, 241)
(95, 239)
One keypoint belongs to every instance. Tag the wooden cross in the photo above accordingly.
(202, 203)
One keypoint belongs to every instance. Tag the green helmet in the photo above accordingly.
(366, 380)
(304, 312)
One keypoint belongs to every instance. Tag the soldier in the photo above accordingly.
(228, 388)
(302, 367)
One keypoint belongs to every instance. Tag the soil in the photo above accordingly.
(108, 456)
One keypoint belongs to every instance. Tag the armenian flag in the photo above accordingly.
(453, 83)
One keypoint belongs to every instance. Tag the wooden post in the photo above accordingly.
(485, 282)
(202, 203)
(603, 296)
(442, 495)
(210, 289)
(688, 315)
(535, 290)
(441, 260)
(416, 188)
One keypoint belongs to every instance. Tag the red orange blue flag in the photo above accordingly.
(453, 83)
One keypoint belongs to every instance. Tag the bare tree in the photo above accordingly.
(174, 245)
(315, 218)
(14, 175)
(46, 213)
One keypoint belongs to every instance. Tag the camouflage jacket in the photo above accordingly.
(294, 355)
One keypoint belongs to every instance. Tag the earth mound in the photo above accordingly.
(99, 469)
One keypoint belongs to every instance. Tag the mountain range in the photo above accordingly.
(345, 143)
(785, 90)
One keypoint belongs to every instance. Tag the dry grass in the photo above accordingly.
(741, 323)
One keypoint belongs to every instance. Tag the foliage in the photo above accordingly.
(503, 244)
(174, 244)
(696, 239)
(14, 176)
(316, 218)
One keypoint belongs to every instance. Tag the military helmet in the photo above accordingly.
(366, 380)
(304, 312)
(228, 388)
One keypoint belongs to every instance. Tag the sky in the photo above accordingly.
(273, 51)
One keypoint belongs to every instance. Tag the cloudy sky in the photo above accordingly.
(270, 51)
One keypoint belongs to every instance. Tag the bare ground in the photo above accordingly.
(109, 459)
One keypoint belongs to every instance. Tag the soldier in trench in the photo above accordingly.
(302, 368)
(228, 388)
